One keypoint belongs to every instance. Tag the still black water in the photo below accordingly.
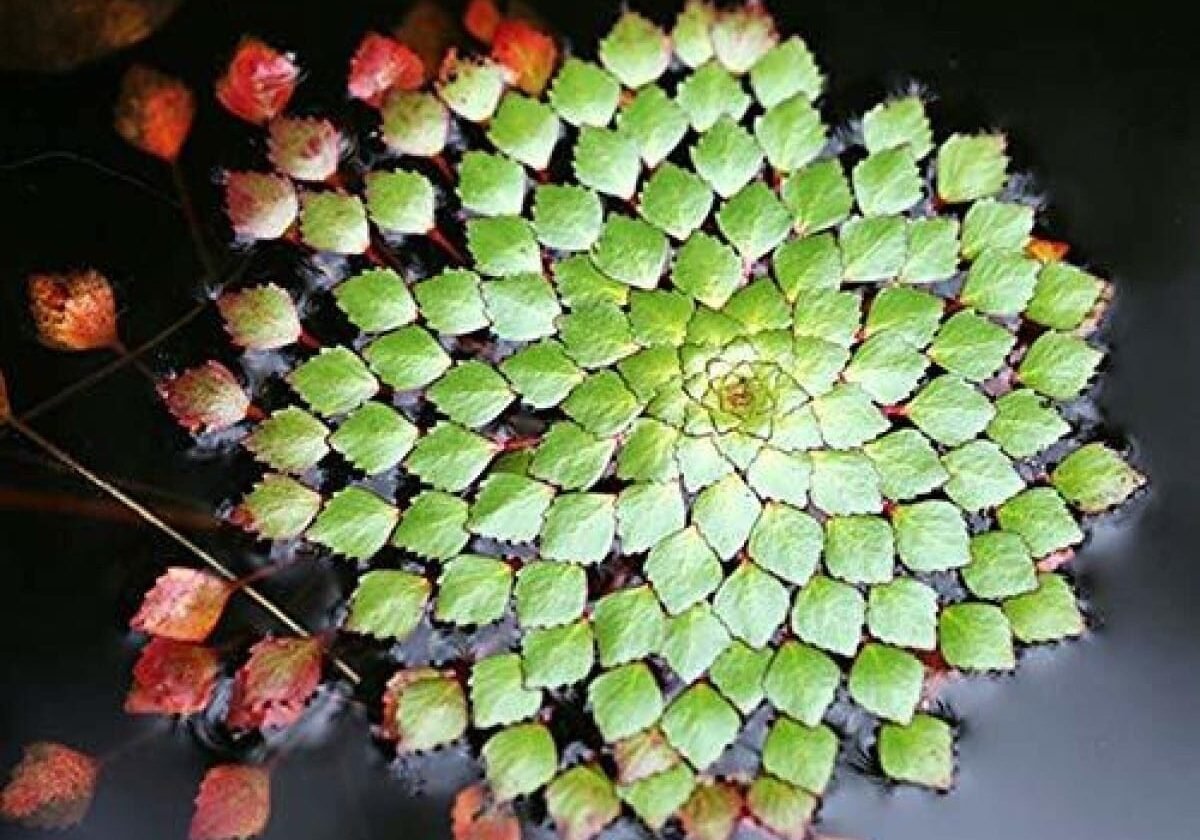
(1098, 740)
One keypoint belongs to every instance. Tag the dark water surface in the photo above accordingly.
(1097, 740)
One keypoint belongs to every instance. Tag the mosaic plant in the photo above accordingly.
(682, 441)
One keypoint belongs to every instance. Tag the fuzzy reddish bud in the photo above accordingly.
(205, 398)
(260, 205)
(305, 149)
(481, 19)
(173, 678)
(52, 787)
(154, 112)
(274, 686)
(234, 802)
(74, 311)
(382, 64)
(258, 83)
(528, 53)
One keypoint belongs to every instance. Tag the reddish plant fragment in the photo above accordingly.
(275, 684)
(51, 787)
(205, 398)
(528, 53)
(429, 29)
(184, 605)
(712, 812)
(258, 83)
(476, 817)
(173, 678)
(260, 318)
(154, 112)
(1047, 250)
(260, 205)
(382, 64)
(1055, 560)
(5, 405)
(74, 311)
(234, 802)
(481, 19)
(306, 149)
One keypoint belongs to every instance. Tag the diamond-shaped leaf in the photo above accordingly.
(498, 693)
(921, 753)
(754, 221)
(950, 411)
(549, 594)
(980, 476)
(675, 200)
(400, 202)
(278, 508)
(784, 809)
(1095, 478)
(971, 346)
(739, 673)
(629, 625)
(707, 269)
(1000, 566)
(845, 483)
(636, 51)
(976, 637)
(656, 798)
(1040, 517)
(1000, 282)
(503, 245)
(700, 723)
(859, 549)
(408, 358)
(524, 129)
(449, 457)
(693, 641)
(290, 440)
(727, 156)
(429, 709)
(625, 701)
(631, 251)
(655, 122)
(887, 367)
(1001, 225)
(334, 222)
(683, 569)
(558, 656)
(596, 334)
(887, 182)
(786, 70)
(388, 604)
(579, 528)
(510, 507)
(520, 760)
(810, 262)
(523, 307)
(887, 682)
(434, 525)
(571, 457)
(582, 801)
(1048, 614)
(602, 404)
(829, 614)
(355, 522)
(903, 613)
(742, 36)
(415, 123)
(711, 93)
(909, 313)
(607, 162)
(471, 393)
(376, 300)
(542, 373)
(451, 302)
(818, 196)
(907, 464)
(1064, 296)
(801, 682)
(568, 218)
(1025, 424)
(800, 754)
(873, 248)
(752, 603)
(374, 438)
(898, 122)
(847, 417)
(971, 167)
(334, 381)
(786, 542)
(725, 512)
(931, 536)
(491, 184)
(473, 590)
(932, 251)
(584, 94)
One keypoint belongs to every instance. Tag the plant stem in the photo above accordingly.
(188, 207)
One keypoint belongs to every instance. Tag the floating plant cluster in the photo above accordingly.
(715, 436)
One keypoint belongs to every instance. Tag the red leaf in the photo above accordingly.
(173, 678)
(234, 801)
(382, 64)
(481, 19)
(154, 112)
(275, 684)
(74, 311)
(184, 605)
(260, 205)
(1047, 250)
(526, 51)
(205, 398)
(52, 787)
(258, 83)
(475, 817)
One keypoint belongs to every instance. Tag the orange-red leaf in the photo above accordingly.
(527, 52)
(275, 684)
(234, 802)
(258, 83)
(184, 605)
(74, 311)
(173, 678)
(476, 817)
(52, 787)
(1047, 250)
(382, 64)
(154, 112)
(481, 19)
(429, 29)
(205, 398)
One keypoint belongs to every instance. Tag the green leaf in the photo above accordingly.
(873, 248)
(752, 603)
(631, 251)
(754, 221)
(503, 245)
(607, 162)
(580, 283)
(1000, 566)
(570, 457)
(788, 69)
(727, 157)
(334, 222)
(921, 753)
(1094, 478)
(584, 94)
(450, 457)
(498, 693)
(887, 182)
(558, 656)
(602, 404)
(1001, 225)
(800, 754)
(829, 614)
(520, 760)
(981, 476)
(376, 300)
(290, 440)
(434, 526)
(887, 367)
(374, 438)
(582, 801)
(887, 682)
(567, 218)
(550, 594)
(812, 262)
(859, 549)
(693, 43)
(655, 122)
(491, 185)
(579, 528)
(656, 798)
(907, 463)
(260, 317)
(407, 359)
(648, 452)
(898, 122)
(1063, 296)
(971, 346)
(1048, 614)
(400, 202)
(1000, 282)
(636, 51)
(473, 590)
(786, 542)
(725, 512)
(739, 673)
(931, 536)
(801, 682)
(818, 196)
(524, 129)
(278, 508)
(471, 88)
(932, 251)
(950, 410)
(711, 93)
(1040, 517)
(700, 723)
(832, 316)
(971, 167)
(629, 625)
(451, 302)
(625, 701)
(542, 373)
(785, 810)
(707, 269)
(430, 710)
(847, 417)
(471, 393)
(683, 570)
(742, 36)
(523, 307)
(693, 641)
(675, 200)
(660, 316)
(333, 382)
(355, 523)
(909, 313)
(903, 613)
(596, 335)
(510, 508)
(976, 637)
(845, 483)
(1025, 424)
(781, 476)
(415, 123)
(388, 604)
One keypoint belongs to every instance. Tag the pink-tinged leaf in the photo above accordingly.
(154, 112)
(528, 53)
(74, 311)
(276, 683)
(234, 802)
(260, 205)
(258, 82)
(712, 812)
(184, 605)
(481, 19)
(306, 149)
(643, 755)
(52, 787)
(382, 64)
(476, 816)
(173, 678)
(205, 398)
(262, 318)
